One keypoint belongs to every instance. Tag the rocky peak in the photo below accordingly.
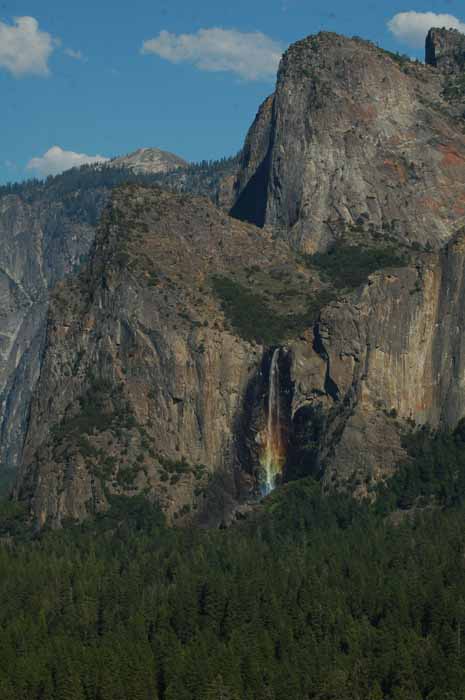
(445, 49)
(146, 161)
(354, 132)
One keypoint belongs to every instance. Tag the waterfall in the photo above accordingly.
(274, 453)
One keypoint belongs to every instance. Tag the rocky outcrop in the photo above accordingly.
(445, 49)
(354, 133)
(387, 357)
(147, 161)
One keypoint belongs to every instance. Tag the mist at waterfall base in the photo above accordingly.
(273, 456)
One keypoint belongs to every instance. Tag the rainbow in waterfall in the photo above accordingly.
(274, 455)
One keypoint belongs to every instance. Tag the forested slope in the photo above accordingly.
(312, 597)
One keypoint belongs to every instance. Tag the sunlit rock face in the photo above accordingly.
(351, 133)
(387, 357)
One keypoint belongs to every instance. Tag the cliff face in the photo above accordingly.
(46, 231)
(142, 384)
(391, 354)
(41, 241)
(353, 132)
(250, 186)
(145, 387)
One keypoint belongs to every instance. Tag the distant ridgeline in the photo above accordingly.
(201, 178)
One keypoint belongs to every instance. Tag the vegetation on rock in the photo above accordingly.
(254, 320)
(348, 266)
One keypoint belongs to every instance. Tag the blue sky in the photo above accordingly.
(78, 79)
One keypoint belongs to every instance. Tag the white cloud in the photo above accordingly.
(24, 48)
(77, 55)
(412, 27)
(251, 55)
(56, 160)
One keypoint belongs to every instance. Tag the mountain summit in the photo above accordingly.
(147, 161)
